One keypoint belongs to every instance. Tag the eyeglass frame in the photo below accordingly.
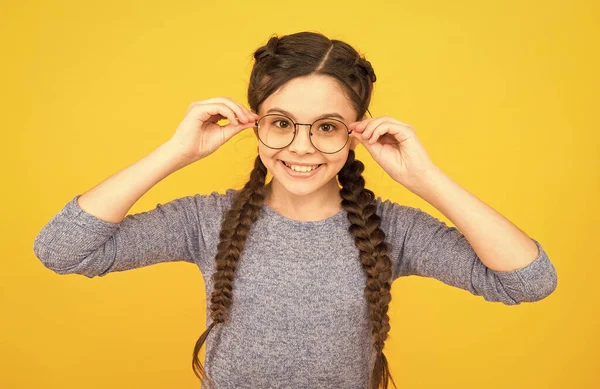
(310, 131)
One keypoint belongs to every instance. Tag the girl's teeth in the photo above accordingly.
(302, 169)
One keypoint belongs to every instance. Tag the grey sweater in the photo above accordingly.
(299, 318)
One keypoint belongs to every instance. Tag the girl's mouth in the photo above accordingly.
(298, 174)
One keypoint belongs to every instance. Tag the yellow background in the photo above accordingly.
(503, 95)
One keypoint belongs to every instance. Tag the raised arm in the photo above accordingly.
(425, 246)
(91, 235)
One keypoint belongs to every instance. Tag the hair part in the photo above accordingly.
(277, 62)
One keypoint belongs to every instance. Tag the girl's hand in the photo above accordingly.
(395, 146)
(199, 135)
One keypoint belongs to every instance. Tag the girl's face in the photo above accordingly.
(305, 99)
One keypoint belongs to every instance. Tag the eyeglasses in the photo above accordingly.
(277, 131)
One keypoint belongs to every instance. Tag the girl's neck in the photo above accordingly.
(316, 206)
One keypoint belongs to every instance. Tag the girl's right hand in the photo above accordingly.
(199, 135)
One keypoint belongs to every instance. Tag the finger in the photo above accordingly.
(248, 125)
(240, 126)
(203, 103)
(371, 126)
(360, 126)
(379, 131)
(192, 105)
(247, 114)
(229, 131)
(239, 111)
(364, 143)
(205, 110)
(253, 116)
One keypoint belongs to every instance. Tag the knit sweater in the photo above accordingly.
(299, 317)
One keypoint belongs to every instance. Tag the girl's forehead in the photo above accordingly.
(303, 109)
(309, 97)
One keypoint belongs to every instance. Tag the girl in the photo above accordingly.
(299, 270)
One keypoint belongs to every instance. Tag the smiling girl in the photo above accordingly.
(298, 270)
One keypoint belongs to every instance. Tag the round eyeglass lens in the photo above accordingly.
(328, 135)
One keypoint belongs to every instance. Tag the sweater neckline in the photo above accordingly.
(334, 218)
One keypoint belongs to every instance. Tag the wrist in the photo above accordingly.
(424, 181)
(173, 154)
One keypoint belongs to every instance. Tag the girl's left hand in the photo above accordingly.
(395, 146)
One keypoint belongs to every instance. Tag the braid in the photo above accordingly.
(370, 240)
(236, 224)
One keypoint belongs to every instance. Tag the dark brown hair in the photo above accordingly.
(277, 62)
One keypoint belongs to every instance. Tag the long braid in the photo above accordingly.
(370, 240)
(236, 224)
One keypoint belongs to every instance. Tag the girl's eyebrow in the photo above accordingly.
(325, 115)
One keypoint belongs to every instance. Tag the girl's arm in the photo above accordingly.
(425, 246)
(91, 236)
(113, 198)
(500, 244)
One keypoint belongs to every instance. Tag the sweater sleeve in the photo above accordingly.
(425, 246)
(77, 242)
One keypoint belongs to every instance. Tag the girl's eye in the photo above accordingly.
(282, 121)
(328, 127)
